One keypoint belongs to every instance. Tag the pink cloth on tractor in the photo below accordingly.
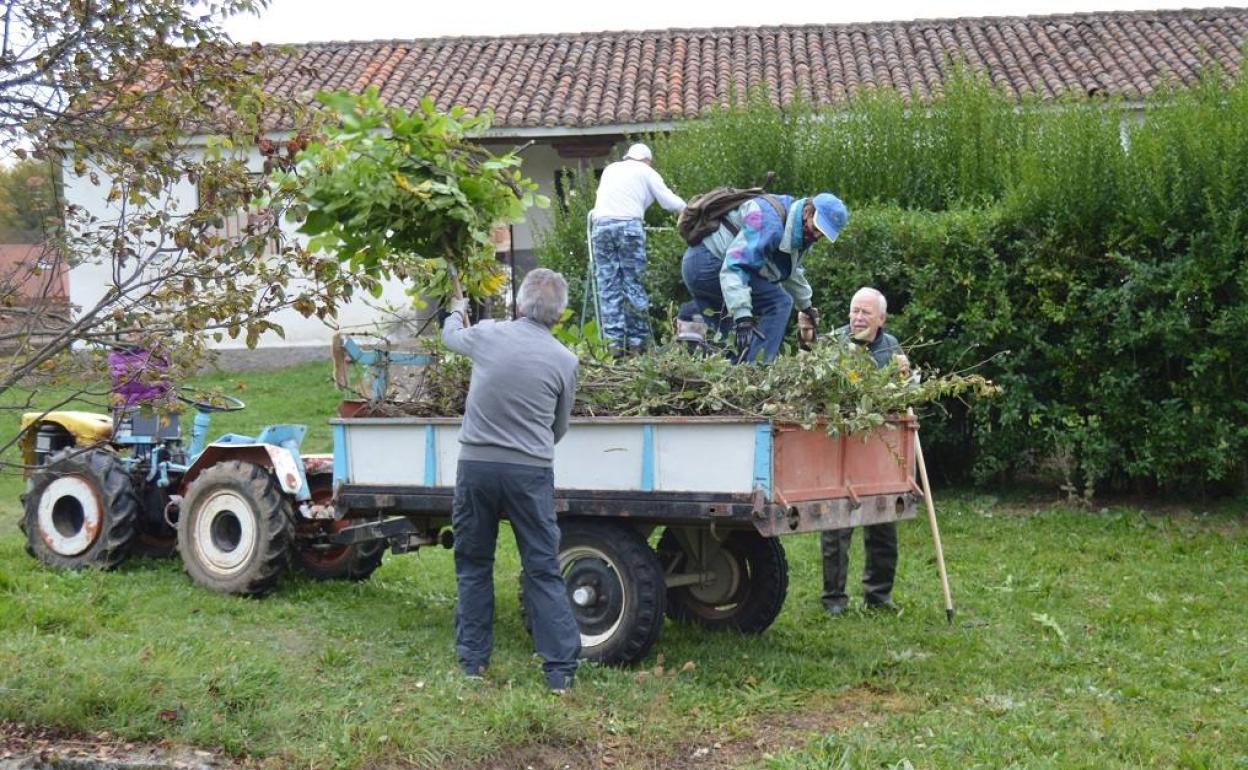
(138, 377)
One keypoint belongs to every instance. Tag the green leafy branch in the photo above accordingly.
(393, 194)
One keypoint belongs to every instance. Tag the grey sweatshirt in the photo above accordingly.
(520, 395)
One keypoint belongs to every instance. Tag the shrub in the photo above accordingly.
(1093, 261)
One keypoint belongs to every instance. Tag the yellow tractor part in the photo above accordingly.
(87, 428)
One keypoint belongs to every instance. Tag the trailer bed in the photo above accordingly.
(776, 477)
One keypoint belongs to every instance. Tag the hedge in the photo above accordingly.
(1090, 258)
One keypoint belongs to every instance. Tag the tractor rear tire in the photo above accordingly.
(236, 529)
(752, 580)
(80, 510)
(154, 538)
(356, 562)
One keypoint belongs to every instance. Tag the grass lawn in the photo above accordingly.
(1106, 639)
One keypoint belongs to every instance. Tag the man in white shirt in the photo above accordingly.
(626, 190)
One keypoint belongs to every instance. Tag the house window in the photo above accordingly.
(243, 221)
(566, 185)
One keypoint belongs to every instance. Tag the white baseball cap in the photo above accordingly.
(639, 152)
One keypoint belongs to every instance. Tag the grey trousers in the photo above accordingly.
(483, 493)
(880, 545)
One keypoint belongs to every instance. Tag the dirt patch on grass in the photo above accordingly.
(720, 749)
(22, 747)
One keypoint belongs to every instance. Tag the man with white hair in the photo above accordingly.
(519, 400)
(625, 191)
(867, 312)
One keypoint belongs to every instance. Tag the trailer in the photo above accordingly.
(675, 516)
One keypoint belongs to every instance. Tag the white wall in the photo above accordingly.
(89, 282)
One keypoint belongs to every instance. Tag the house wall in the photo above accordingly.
(542, 162)
(88, 282)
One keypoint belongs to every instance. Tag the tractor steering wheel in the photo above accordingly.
(200, 400)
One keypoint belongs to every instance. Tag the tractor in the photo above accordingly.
(239, 510)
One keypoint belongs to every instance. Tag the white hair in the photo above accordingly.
(639, 152)
(543, 296)
(880, 299)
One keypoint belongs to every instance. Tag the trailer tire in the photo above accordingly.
(749, 602)
(615, 586)
(235, 530)
(354, 562)
(81, 510)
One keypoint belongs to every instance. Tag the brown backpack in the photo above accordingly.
(705, 213)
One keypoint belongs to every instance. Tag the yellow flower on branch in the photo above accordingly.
(401, 182)
(491, 284)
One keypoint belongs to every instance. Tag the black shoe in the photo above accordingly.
(836, 610)
(885, 606)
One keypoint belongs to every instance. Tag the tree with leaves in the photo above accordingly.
(137, 97)
(393, 194)
(140, 98)
(28, 201)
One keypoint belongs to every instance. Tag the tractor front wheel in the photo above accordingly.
(235, 529)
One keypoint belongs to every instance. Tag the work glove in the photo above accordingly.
(903, 364)
(460, 306)
(746, 332)
(812, 313)
(807, 327)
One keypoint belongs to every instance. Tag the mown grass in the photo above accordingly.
(1083, 639)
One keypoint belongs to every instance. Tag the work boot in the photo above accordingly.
(835, 547)
(836, 610)
(885, 606)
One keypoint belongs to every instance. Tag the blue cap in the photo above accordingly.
(830, 215)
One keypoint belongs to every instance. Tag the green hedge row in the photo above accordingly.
(1091, 259)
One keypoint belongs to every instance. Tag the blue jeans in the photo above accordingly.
(620, 271)
(483, 492)
(771, 304)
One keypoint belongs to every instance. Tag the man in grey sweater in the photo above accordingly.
(519, 400)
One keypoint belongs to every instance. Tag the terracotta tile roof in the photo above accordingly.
(627, 78)
(32, 271)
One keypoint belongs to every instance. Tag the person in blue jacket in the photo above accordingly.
(748, 274)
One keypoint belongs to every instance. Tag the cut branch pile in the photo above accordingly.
(834, 385)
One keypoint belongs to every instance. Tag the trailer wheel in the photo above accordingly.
(357, 561)
(748, 587)
(234, 533)
(80, 510)
(615, 586)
